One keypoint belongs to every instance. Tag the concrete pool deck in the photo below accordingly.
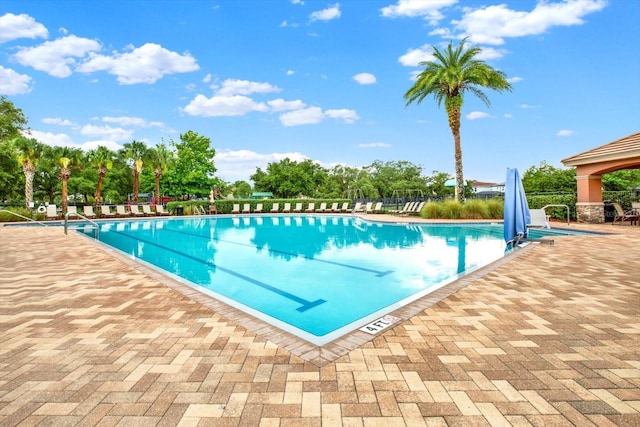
(549, 336)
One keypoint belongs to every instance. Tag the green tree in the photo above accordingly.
(11, 178)
(160, 158)
(12, 120)
(289, 179)
(392, 176)
(67, 159)
(29, 152)
(193, 171)
(436, 184)
(548, 179)
(456, 72)
(622, 180)
(135, 152)
(102, 159)
(241, 189)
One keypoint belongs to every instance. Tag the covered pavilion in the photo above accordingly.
(590, 165)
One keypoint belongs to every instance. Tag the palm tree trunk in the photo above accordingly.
(158, 200)
(98, 191)
(29, 171)
(136, 185)
(453, 106)
(64, 176)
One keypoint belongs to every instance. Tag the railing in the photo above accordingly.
(559, 206)
(95, 224)
(24, 217)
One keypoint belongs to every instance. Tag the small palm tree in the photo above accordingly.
(136, 151)
(67, 158)
(455, 72)
(102, 159)
(29, 152)
(160, 158)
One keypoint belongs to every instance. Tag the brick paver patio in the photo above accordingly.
(550, 337)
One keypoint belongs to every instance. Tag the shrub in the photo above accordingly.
(495, 208)
(475, 209)
(432, 210)
(452, 209)
(8, 217)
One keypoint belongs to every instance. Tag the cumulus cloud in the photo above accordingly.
(474, 115)
(348, 116)
(131, 121)
(106, 132)
(19, 27)
(245, 87)
(223, 106)
(492, 24)
(429, 10)
(514, 79)
(57, 121)
(236, 165)
(413, 57)
(282, 105)
(145, 64)
(56, 57)
(327, 14)
(365, 78)
(14, 83)
(306, 116)
(565, 132)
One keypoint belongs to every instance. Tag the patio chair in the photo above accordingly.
(404, 209)
(322, 208)
(121, 210)
(358, 208)
(334, 207)
(72, 211)
(621, 215)
(258, 208)
(246, 208)
(368, 207)
(275, 208)
(146, 210)
(236, 208)
(344, 207)
(287, 208)
(539, 219)
(298, 208)
(311, 208)
(105, 212)
(417, 208)
(377, 208)
(52, 212)
(135, 211)
(87, 211)
(160, 210)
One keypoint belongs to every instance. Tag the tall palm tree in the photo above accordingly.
(102, 159)
(29, 152)
(136, 152)
(161, 158)
(455, 72)
(67, 158)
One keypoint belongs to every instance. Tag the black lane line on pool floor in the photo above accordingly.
(378, 273)
(304, 304)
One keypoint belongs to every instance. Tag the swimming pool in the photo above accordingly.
(317, 277)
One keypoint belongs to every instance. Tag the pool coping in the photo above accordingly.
(319, 355)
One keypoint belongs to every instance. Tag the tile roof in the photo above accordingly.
(623, 148)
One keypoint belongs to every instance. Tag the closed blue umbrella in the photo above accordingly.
(516, 208)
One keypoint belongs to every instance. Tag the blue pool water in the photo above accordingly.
(315, 276)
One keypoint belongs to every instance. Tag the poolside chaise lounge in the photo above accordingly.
(358, 207)
(404, 209)
(311, 208)
(275, 208)
(322, 208)
(135, 211)
(287, 208)
(334, 207)
(258, 208)
(344, 207)
(377, 208)
(160, 210)
(621, 215)
(539, 219)
(105, 212)
(246, 208)
(368, 207)
(146, 210)
(121, 210)
(52, 212)
(72, 211)
(88, 212)
(236, 208)
(298, 208)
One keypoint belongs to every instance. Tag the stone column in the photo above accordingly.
(590, 212)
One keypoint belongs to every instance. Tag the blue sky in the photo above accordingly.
(270, 79)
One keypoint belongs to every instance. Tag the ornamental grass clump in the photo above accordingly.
(432, 210)
(475, 209)
(452, 209)
(495, 208)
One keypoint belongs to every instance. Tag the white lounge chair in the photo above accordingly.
(146, 210)
(121, 210)
(88, 212)
(160, 210)
(322, 208)
(72, 212)
(246, 208)
(334, 207)
(287, 208)
(404, 209)
(539, 219)
(298, 208)
(344, 208)
(135, 211)
(236, 208)
(311, 208)
(52, 212)
(358, 207)
(377, 208)
(105, 212)
(275, 208)
(368, 207)
(258, 208)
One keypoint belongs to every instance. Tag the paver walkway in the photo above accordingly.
(550, 338)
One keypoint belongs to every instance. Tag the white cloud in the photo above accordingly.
(282, 105)
(290, 72)
(145, 64)
(374, 145)
(131, 121)
(474, 115)
(106, 132)
(306, 116)
(492, 24)
(565, 132)
(92, 145)
(223, 106)
(236, 165)
(429, 9)
(231, 87)
(57, 121)
(527, 106)
(57, 57)
(53, 139)
(348, 116)
(508, 115)
(14, 83)
(207, 78)
(327, 14)
(19, 27)
(413, 57)
(365, 78)
(515, 79)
